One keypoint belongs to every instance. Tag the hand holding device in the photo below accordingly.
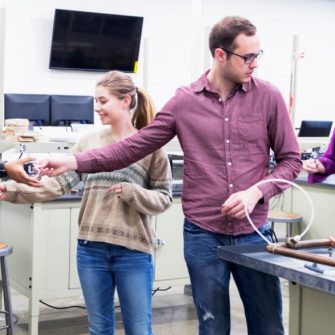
(18, 171)
(31, 169)
(313, 165)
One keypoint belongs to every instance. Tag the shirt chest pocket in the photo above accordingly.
(251, 134)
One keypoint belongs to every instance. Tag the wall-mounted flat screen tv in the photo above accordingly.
(95, 41)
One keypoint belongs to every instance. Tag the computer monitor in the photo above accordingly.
(315, 128)
(67, 109)
(34, 107)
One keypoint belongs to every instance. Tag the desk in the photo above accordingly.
(44, 240)
(312, 295)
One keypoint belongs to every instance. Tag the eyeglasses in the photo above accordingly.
(248, 59)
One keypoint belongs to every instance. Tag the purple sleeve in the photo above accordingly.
(328, 161)
(316, 178)
(121, 154)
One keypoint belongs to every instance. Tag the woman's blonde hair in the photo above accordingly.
(120, 85)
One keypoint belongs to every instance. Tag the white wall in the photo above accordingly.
(277, 21)
(28, 39)
(171, 59)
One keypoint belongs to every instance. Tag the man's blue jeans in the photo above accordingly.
(260, 293)
(102, 267)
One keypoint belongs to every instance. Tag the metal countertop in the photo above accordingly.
(256, 257)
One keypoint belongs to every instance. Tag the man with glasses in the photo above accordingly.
(227, 121)
(248, 59)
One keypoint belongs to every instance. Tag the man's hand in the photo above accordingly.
(56, 166)
(15, 171)
(234, 205)
(313, 166)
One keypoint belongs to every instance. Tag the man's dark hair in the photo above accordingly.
(226, 30)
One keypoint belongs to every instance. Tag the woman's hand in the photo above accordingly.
(2, 191)
(116, 189)
(313, 166)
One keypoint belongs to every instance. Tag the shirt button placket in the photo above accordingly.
(230, 225)
(229, 163)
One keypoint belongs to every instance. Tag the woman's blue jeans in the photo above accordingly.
(102, 267)
(259, 292)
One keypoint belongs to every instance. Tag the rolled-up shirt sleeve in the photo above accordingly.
(328, 161)
(132, 149)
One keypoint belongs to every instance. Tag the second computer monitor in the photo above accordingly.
(315, 128)
(68, 109)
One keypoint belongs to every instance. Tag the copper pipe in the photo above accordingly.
(277, 248)
(328, 242)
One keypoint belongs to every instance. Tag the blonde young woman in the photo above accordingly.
(116, 238)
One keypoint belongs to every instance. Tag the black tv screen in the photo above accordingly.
(95, 41)
(315, 128)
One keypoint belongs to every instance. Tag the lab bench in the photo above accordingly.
(312, 295)
(44, 238)
(311, 308)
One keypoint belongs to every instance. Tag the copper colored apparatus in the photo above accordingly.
(291, 248)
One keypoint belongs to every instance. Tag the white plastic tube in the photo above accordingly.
(278, 180)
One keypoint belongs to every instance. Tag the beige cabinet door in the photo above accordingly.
(169, 255)
(73, 277)
(55, 258)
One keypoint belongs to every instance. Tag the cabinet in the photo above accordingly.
(311, 311)
(42, 265)
(44, 239)
(170, 267)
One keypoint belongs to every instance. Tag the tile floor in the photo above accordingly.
(173, 314)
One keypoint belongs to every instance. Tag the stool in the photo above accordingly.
(6, 250)
(285, 217)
